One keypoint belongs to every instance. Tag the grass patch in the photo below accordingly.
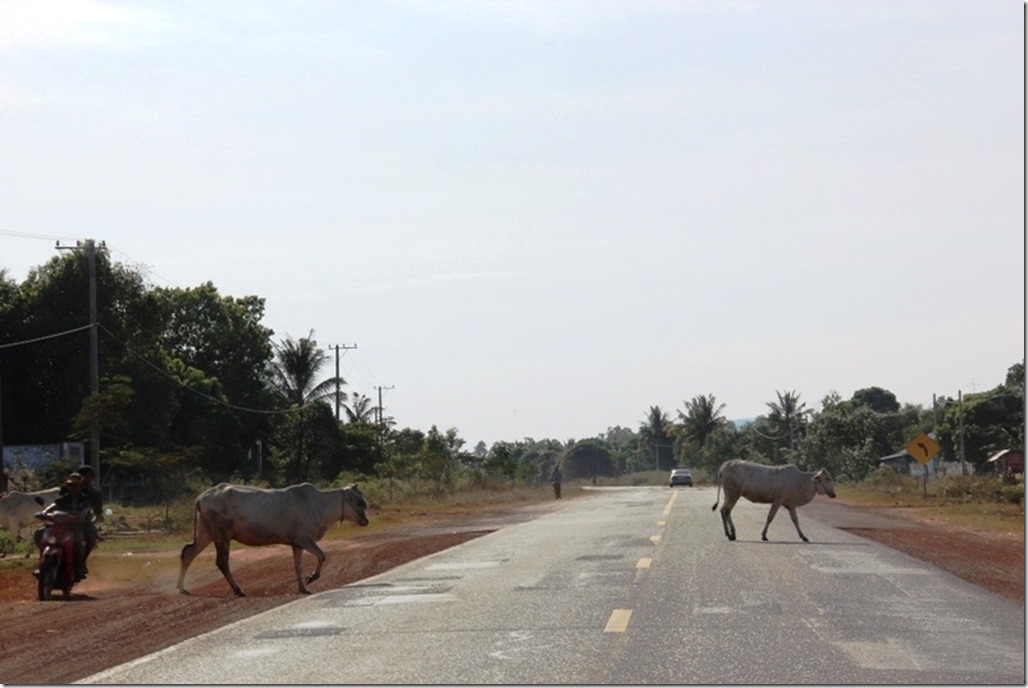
(984, 503)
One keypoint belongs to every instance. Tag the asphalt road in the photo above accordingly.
(633, 585)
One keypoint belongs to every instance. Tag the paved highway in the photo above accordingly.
(631, 585)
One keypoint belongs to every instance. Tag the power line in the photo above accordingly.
(178, 382)
(44, 337)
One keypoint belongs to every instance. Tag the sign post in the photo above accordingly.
(923, 448)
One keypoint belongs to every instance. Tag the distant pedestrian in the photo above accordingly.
(556, 478)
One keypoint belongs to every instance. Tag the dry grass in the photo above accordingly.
(943, 503)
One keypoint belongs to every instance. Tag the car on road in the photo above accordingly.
(680, 476)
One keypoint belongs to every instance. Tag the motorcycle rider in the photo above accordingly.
(89, 532)
(75, 501)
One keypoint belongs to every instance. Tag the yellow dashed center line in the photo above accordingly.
(644, 563)
(667, 509)
(618, 621)
(654, 539)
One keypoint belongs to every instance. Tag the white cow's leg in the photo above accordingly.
(319, 556)
(770, 517)
(222, 561)
(298, 567)
(796, 522)
(726, 516)
(190, 552)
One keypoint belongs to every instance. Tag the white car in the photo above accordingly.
(680, 476)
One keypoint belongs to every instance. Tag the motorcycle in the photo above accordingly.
(57, 551)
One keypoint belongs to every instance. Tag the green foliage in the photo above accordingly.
(1014, 493)
(193, 385)
(891, 481)
(586, 459)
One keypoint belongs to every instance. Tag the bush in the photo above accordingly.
(1014, 493)
(969, 488)
(891, 481)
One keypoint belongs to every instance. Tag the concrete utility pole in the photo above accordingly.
(337, 347)
(3, 469)
(378, 411)
(94, 348)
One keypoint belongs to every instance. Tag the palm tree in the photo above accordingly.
(701, 419)
(655, 433)
(361, 410)
(293, 378)
(788, 416)
(295, 369)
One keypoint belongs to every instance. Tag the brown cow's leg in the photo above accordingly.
(222, 561)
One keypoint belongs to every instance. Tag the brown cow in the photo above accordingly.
(298, 515)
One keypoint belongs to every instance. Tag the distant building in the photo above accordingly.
(20, 459)
(1008, 462)
(900, 461)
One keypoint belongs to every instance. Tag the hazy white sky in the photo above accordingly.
(538, 219)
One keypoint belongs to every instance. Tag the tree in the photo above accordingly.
(877, 399)
(293, 379)
(787, 418)
(360, 410)
(701, 418)
(656, 438)
(587, 459)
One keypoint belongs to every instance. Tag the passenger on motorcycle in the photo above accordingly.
(74, 501)
(89, 532)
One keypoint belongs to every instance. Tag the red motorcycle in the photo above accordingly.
(57, 551)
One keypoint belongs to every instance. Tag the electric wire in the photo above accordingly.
(197, 392)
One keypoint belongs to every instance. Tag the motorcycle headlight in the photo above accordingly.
(50, 540)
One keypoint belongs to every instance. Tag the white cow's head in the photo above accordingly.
(355, 505)
(823, 483)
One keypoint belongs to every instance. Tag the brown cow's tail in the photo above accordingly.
(717, 498)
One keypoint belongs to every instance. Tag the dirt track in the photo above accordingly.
(109, 622)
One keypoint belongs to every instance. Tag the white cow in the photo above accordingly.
(298, 515)
(778, 486)
(17, 508)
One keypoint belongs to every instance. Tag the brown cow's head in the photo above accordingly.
(355, 503)
(823, 483)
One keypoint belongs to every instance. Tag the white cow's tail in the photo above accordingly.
(196, 520)
(717, 497)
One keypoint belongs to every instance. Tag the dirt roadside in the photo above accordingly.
(109, 622)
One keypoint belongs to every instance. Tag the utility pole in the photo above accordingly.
(94, 346)
(337, 347)
(378, 411)
(960, 409)
(3, 468)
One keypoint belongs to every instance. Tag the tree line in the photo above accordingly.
(192, 384)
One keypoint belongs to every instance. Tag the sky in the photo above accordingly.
(539, 219)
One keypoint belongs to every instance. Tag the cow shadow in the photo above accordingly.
(800, 543)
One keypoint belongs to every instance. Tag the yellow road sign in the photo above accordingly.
(923, 448)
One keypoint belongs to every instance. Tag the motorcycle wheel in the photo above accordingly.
(47, 579)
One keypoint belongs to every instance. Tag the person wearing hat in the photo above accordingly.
(95, 499)
(72, 499)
